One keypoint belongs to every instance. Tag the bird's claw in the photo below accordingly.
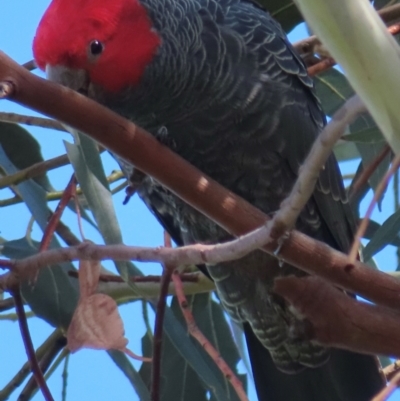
(281, 241)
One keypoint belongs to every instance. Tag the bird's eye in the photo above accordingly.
(96, 47)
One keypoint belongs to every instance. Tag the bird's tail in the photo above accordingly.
(347, 376)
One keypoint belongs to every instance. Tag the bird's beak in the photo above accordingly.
(75, 79)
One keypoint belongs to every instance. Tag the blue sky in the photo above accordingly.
(91, 375)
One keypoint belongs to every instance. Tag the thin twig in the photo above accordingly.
(23, 324)
(113, 278)
(328, 62)
(29, 65)
(327, 263)
(50, 196)
(31, 387)
(368, 171)
(158, 327)
(391, 370)
(31, 120)
(323, 65)
(353, 254)
(389, 389)
(65, 377)
(146, 320)
(56, 216)
(6, 304)
(23, 373)
(33, 171)
(66, 234)
(204, 342)
(310, 170)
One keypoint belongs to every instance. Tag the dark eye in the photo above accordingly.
(96, 47)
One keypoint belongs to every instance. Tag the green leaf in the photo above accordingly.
(22, 149)
(369, 152)
(385, 361)
(365, 135)
(188, 357)
(54, 295)
(284, 11)
(333, 90)
(91, 154)
(212, 323)
(123, 363)
(20, 248)
(345, 151)
(99, 197)
(371, 230)
(180, 380)
(383, 236)
(378, 4)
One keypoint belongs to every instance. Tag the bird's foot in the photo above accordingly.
(281, 241)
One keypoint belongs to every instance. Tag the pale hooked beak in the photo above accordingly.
(75, 79)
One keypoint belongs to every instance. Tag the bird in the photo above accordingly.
(218, 82)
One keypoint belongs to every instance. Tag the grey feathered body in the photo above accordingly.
(237, 103)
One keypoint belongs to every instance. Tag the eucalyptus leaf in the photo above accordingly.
(383, 236)
(206, 371)
(345, 151)
(20, 248)
(378, 4)
(333, 90)
(23, 150)
(99, 199)
(54, 295)
(178, 379)
(366, 135)
(284, 11)
(369, 152)
(212, 323)
(373, 227)
(123, 363)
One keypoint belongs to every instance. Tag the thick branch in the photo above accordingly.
(328, 263)
(229, 211)
(341, 321)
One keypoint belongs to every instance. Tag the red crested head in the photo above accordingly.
(112, 40)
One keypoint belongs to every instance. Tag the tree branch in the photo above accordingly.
(158, 327)
(310, 170)
(327, 263)
(338, 320)
(31, 120)
(231, 212)
(196, 333)
(389, 390)
(353, 253)
(37, 372)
